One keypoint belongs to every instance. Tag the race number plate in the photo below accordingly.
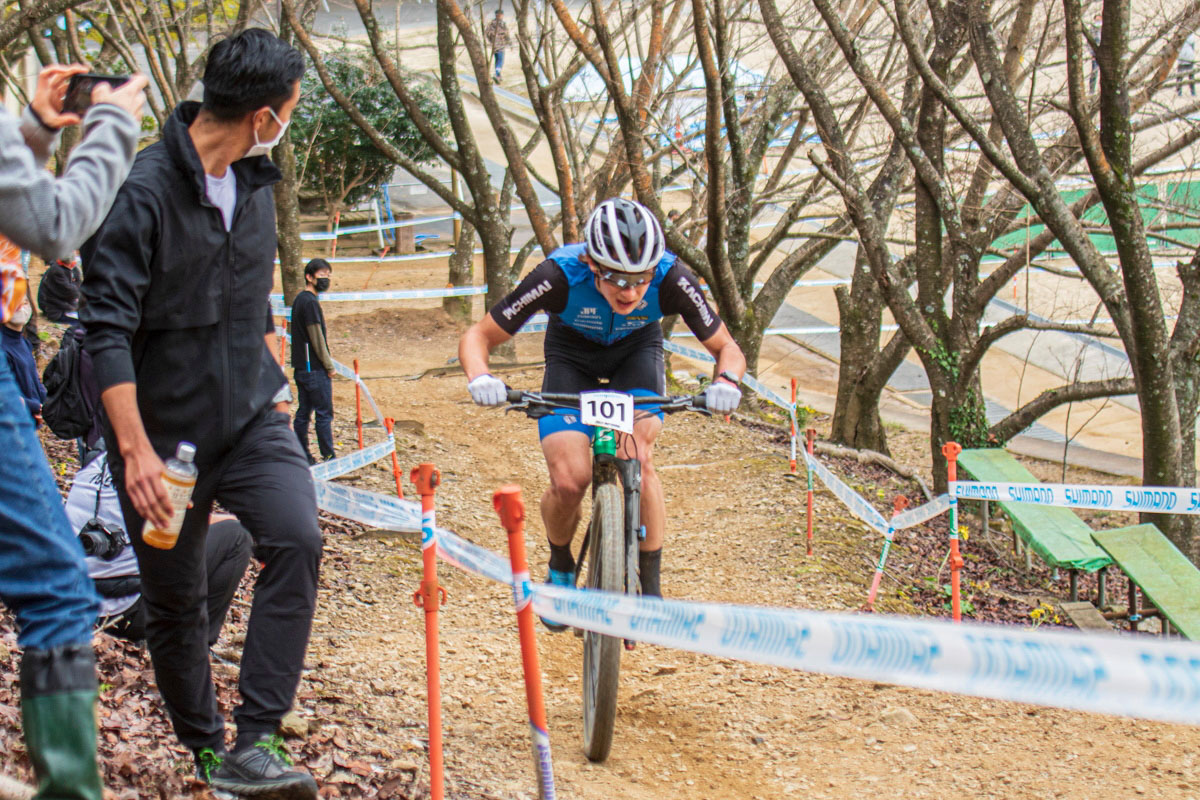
(607, 409)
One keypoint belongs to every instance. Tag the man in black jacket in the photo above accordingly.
(181, 337)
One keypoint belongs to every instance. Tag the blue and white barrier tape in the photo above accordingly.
(850, 498)
(1138, 677)
(369, 508)
(348, 372)
(1145, 499)
(915, 516)
(280, 310)
(325, 236)
(359, 458)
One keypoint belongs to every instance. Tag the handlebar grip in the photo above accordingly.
(515, 395)
(700, 401)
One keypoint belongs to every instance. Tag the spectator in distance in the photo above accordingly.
(497, 36)
(312, 365)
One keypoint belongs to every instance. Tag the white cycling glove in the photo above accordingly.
(488, 390)
(722, 398)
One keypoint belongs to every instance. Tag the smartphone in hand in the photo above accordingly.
(79, 90)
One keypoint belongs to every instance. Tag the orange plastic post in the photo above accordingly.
(358, 404)
(951, 450)
(811, 436)
(390, 424)
(792, 460)
(898, 505)
(429, 597)
(337, 224)
(508, 503)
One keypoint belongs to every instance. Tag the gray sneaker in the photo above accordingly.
(263, 771)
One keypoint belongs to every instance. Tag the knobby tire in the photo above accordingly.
(602, 654)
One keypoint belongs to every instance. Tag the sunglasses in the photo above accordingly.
(625, 280)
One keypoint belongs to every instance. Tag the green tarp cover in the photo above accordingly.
(1057, 535)
(1166, 577)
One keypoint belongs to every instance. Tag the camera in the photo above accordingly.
(101, 541)
(78, 98)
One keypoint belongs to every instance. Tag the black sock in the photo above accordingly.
(561, 558)
(247, 739)
(649, 566)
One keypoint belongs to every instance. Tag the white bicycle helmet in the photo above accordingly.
(624, 236)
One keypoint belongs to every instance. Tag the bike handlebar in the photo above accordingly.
(667, 404)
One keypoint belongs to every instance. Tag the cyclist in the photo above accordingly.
(604, 298)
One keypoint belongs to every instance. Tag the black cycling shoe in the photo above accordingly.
(263, 771)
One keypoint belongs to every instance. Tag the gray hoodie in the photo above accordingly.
(53, 217)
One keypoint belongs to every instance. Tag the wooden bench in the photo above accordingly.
(1057, 535)
(1168, 580)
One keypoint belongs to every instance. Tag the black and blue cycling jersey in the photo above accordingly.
(588, 345)
(565, 288)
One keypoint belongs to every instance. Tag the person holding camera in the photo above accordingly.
(94, 510)
(42, 574)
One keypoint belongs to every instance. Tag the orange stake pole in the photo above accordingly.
(507, 501)
(951, 450)
(283, 345)
(358, 404)
(337, 224)
(792, 461)
(390, 424)
(898, 505)
(810, 435)
(430, 596)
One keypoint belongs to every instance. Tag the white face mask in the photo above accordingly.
(21, 315)
(265, 148)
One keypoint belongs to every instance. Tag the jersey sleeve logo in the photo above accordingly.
(526, 299)
(697, 299)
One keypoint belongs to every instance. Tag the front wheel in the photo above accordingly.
(602, 654)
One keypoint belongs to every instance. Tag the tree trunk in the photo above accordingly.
(287, 221)
(856, 420)
(462, 273)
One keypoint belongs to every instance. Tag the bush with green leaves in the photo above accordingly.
(337, 164)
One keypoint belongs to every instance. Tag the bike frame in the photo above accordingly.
(629, 473)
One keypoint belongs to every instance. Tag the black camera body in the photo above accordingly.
(101, 541)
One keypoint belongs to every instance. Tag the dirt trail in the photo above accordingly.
(689, 726)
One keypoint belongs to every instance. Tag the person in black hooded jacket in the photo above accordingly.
(179, 330)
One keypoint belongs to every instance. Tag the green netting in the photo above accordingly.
(1057, 535)
(1165, 576)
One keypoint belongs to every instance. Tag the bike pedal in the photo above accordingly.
(630, 645)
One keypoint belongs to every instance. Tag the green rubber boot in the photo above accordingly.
(58, 712)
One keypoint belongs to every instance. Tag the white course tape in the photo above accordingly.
(470, 557)
(280, 310)
(1136, 676)
(1150, 499)
(857, 505)
(356, 460)
(370, 508)
(348, 372)
(325, 236)
(749, 380)
(915, 516)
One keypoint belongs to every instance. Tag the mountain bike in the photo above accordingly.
(610, 545)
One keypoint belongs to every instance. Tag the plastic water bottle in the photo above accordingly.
(179, 476)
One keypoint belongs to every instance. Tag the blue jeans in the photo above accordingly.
(42, 574)
(499, 62)
(314, 390)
